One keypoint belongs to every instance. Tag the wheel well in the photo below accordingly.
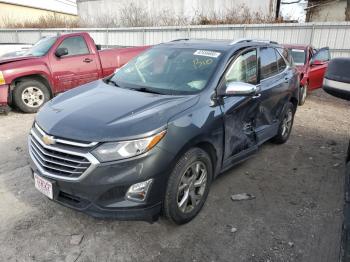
(39, 78)
(209, 148)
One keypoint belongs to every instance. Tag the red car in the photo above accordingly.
(311, 64)
(56, 64)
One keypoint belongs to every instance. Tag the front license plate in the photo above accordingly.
(43, 185)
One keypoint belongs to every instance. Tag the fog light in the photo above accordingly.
(138, 192)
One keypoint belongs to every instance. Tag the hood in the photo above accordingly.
(5, 60)
(97, 112)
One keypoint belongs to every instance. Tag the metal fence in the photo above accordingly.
(334, 35)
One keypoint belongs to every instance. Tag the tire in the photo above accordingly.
(285, 127)
(29, 95)
(182, 182)
(303, 94)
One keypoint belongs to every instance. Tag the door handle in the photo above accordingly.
(256, 96)
(87, 60)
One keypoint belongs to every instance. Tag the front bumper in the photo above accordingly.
(101, 193)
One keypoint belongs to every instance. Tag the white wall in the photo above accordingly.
(63, 6)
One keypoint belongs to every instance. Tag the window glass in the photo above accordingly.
(244, 69)
(322, 55)
(268, 62)
(299, 56)
(280, 62)
(41, 47)
(169, 70)
(287, 54)
(76, 45)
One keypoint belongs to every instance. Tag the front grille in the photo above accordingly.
(55, 161)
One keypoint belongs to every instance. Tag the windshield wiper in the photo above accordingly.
(113, 82)
(146, 90)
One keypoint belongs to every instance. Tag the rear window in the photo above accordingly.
(299, 56)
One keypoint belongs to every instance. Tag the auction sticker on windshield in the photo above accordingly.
(43, 185)
(207, 53)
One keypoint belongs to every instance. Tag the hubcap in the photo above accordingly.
(287, 122)
(192, 187)
(32, 96)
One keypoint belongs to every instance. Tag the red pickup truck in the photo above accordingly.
(54, 65)
(311, 64)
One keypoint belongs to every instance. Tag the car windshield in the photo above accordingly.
(41, 47)
(168, 71)
(299, 56)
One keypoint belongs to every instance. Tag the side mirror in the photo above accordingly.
(61, 51)
(98, 47)
(240, 89)
(337, 78)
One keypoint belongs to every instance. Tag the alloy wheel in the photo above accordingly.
(192, 186)
(287, 122)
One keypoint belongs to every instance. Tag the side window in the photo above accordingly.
(280, 62)
(286, 53)
(244, 68)
(322, 55)
(268, 62)
(75, 45)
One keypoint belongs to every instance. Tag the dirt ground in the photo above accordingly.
(296, 216)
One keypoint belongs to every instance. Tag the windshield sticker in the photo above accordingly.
(207, 53)
(198, 63)
(298, 50)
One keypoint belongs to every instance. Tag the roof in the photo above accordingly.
(296, 46)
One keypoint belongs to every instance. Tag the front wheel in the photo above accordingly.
(188, 186)
(286, 124)
(30, 95)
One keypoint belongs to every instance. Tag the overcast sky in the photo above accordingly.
(65, 6)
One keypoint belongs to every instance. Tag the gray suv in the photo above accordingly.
(151, 138)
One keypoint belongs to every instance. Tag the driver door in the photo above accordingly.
(318, 66)
(240, 112)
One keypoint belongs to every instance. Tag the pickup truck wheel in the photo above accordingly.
(188, 186)
(303, 94)
(285, 127)
(30, 95)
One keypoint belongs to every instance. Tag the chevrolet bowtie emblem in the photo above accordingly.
(48, 140)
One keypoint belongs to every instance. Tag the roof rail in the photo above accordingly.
(180, 39)
(242, 40)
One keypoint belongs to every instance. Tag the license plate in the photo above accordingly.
(43, 185)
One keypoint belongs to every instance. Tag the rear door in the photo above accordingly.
(274, 83)
(78, 67)
(318, 66)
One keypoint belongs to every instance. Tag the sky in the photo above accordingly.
(294, 11)
(65, 6)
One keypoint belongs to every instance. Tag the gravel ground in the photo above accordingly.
(296, 215)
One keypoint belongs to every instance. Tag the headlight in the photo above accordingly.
(2, 79)
(125, 149)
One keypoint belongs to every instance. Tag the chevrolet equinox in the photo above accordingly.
(151, 138)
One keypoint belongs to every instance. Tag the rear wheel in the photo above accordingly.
(303, 94)
(285, 127)
(188, 186)
(29, 95)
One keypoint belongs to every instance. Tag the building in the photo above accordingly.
(98, 12)
(21, 11)
(328, 11)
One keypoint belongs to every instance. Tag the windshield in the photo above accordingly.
(299, 56)
(41, 47)
(168, 70)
